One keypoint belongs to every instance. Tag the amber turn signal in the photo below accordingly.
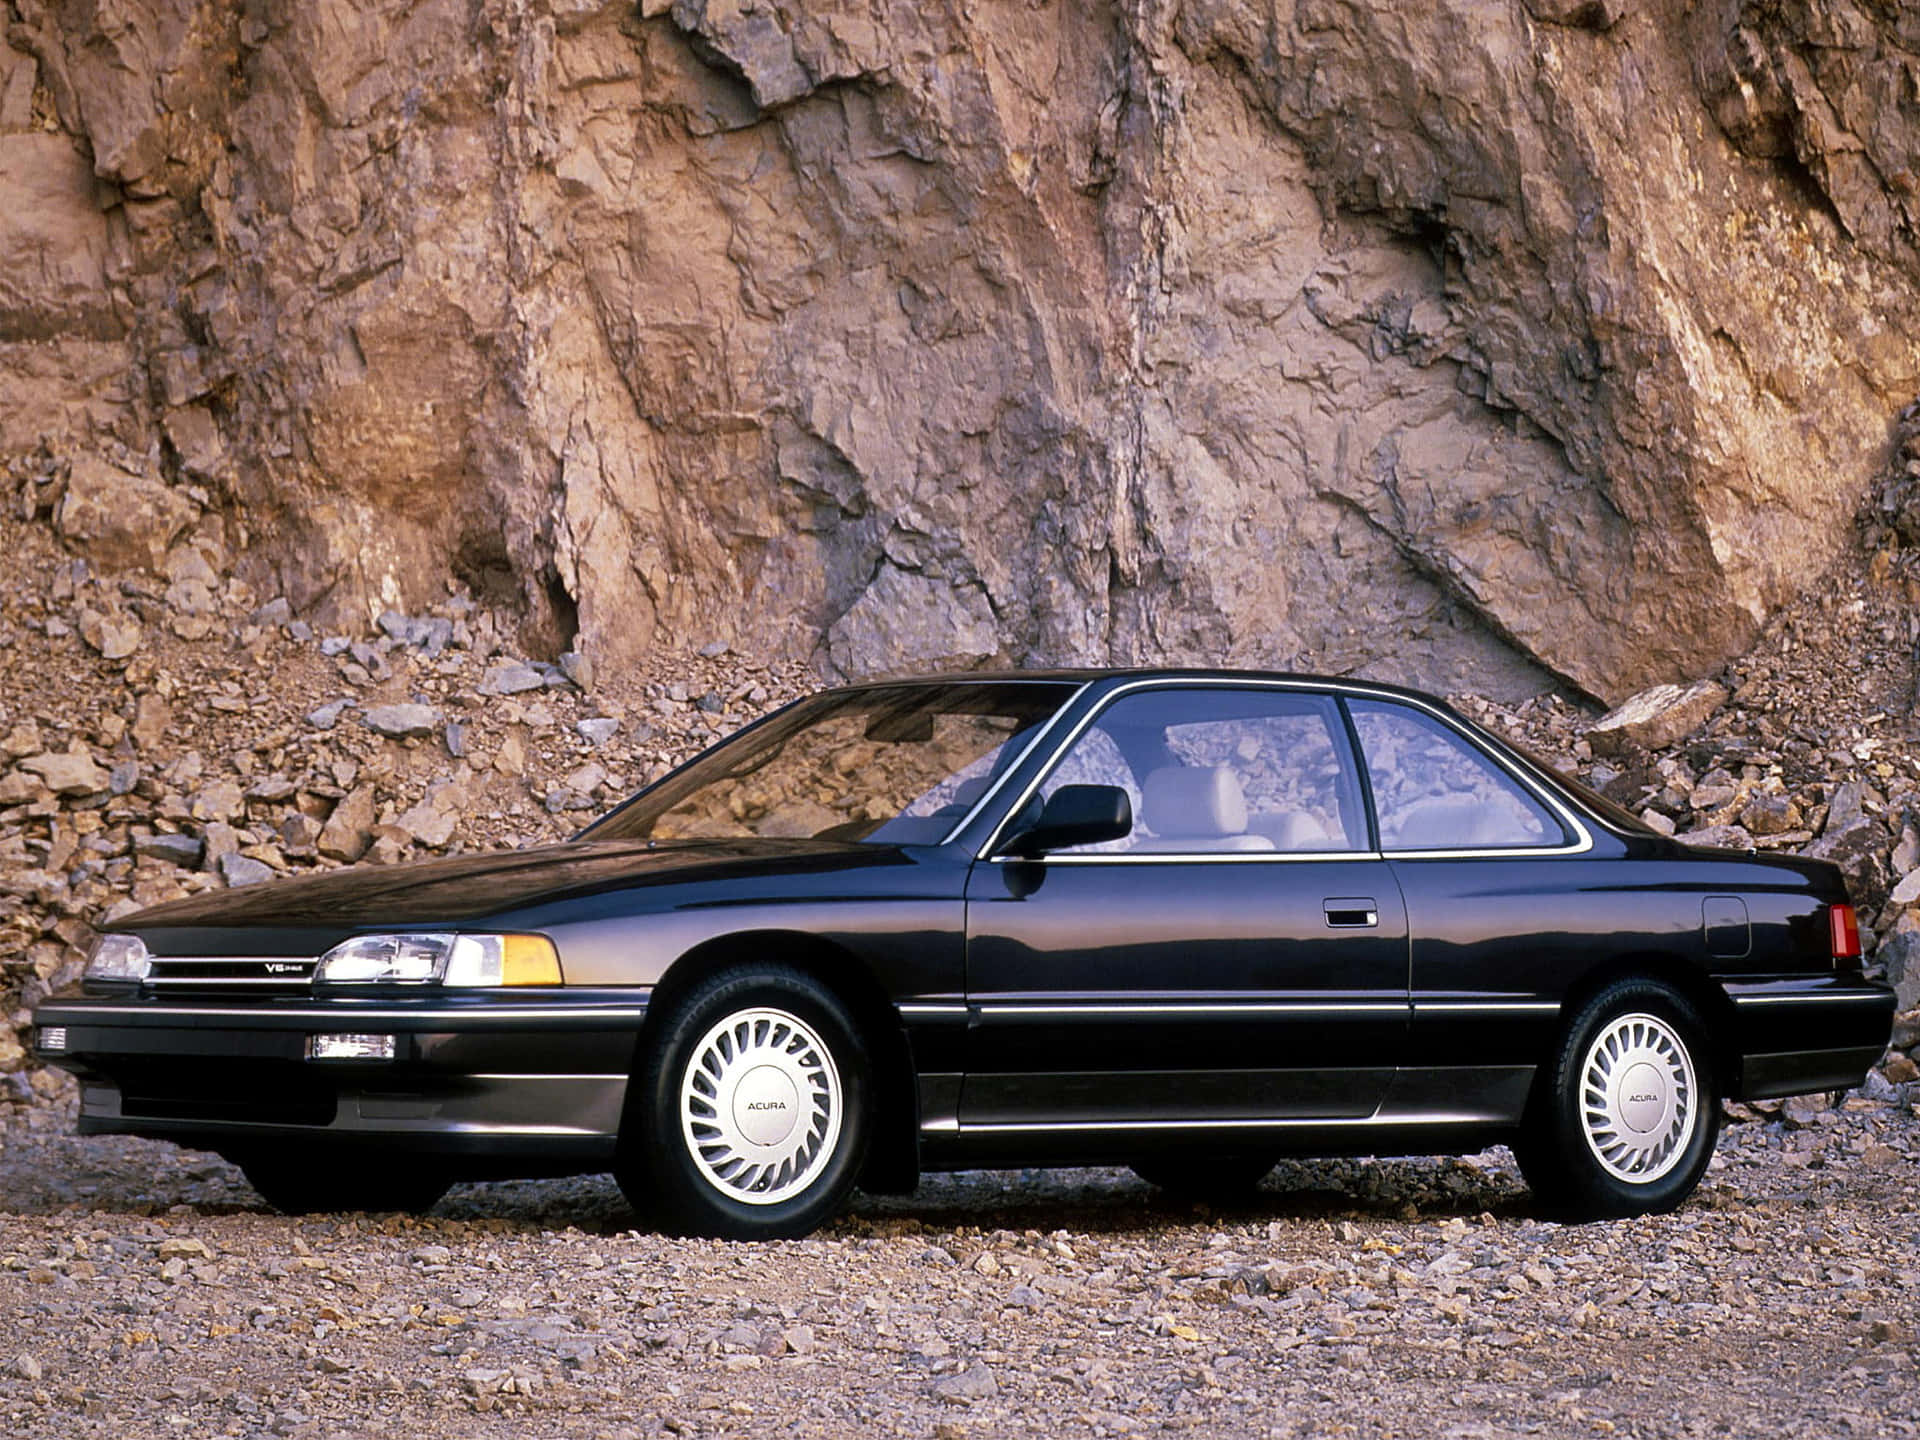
(528, 960)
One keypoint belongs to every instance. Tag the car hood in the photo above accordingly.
(464, 888)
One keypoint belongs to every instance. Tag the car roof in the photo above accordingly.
(1084, 675)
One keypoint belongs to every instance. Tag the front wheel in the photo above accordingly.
(750, 1120)
(1624, 1119)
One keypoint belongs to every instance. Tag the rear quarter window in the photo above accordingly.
(1434, 790)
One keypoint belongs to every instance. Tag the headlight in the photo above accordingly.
(441, 959)
(385, 960)
(119, 957)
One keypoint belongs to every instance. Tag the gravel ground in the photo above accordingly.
(147, 1291)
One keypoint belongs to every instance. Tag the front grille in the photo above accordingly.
(249, 974)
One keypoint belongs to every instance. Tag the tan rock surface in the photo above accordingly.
(1447, 343)
(348, 830)
(70, 773)
(1656, 717)
(119, 519)
(114, 636)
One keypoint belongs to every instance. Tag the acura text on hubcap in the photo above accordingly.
(760, 1106)
(1637, 1098)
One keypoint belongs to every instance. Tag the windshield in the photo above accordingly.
(891, 765)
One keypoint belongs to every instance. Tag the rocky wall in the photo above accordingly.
(1463, 343)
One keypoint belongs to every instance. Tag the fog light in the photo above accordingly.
(54, 1037)
(350, 1047)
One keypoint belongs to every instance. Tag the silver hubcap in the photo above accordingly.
(1637, 1098)
(760, 1106)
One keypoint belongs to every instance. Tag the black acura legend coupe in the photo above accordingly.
(1185, 921)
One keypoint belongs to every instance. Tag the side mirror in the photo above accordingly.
(1076, 815)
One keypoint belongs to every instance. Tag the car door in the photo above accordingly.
(1240, 958)
(1500, 905)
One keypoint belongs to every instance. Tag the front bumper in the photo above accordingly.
(506, 1083)
(1802, 1034)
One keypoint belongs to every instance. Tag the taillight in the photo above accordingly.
(1846, 932)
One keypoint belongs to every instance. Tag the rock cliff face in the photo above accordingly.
(1455, 342)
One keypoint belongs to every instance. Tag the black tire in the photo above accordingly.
(746, 1049)
(305, 1183)
(1211, 1175)
(1624, 1117)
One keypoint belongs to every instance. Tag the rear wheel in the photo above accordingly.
(1624, 1119)
(301, 1183)
(1206, 1175)
(751, 1116)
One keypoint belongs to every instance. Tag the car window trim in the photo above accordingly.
(1362, 776)
(1193, 857)
(1338, 692)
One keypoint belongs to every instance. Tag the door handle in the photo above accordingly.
(1351, 912)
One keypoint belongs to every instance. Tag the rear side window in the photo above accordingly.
(1435, 791)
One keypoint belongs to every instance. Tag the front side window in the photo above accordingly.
(892, 765)
(1211, 770)
(1434, 791)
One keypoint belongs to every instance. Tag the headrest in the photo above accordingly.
(1196, 800)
